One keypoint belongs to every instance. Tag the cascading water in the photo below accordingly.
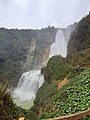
(59, 47)
(29, 83)
(27, 88)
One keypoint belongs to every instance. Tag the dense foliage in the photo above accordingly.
(72, 98)
(56, 69)
(9, 111)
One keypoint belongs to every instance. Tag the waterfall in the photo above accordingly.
(59, 47)
(29, 83)
(27, 88)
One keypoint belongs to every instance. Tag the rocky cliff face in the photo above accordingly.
(80, 38)
(68, 31)
(79, 43)
(23, 50)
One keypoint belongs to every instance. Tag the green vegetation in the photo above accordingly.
(50, 102)
(8, 70)
(72, 98)
(80, 38)
(56, 69)
(81, 58)
(7, 108)
(9, 111)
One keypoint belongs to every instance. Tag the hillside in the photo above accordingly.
(57, 98)
(80, 38)
(79, 43)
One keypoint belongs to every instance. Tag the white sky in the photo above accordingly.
(41, 13)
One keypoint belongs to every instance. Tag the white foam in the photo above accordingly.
(59, 47)
(28, 85)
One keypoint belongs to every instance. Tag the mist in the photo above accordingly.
(41, 13)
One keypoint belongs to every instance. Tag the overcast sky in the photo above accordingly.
(41, 13)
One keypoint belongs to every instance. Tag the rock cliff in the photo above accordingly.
(23, 50)
(79, 44)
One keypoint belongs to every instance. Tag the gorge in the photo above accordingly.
(55, 76)
(29, 83)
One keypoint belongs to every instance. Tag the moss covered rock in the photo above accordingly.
(56, 69)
